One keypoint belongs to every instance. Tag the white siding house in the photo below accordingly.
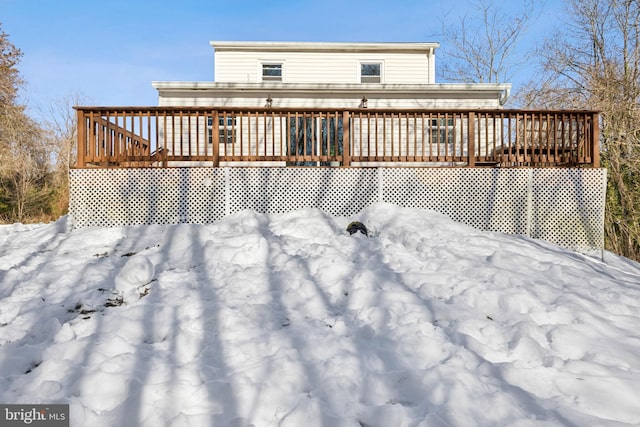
(326, 75)
(406, 63)
(331, 75)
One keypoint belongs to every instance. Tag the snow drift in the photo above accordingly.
(287, 320)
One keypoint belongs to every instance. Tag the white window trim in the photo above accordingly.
(261, 65)
(373, 61)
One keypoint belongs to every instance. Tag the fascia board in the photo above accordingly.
(437, 88)
(262, 46)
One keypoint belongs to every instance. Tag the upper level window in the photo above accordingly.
(370, 72)
(272, 72)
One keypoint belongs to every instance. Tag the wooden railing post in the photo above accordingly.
(215, 138)
(471, 143)
(81, 137)
(595, 140)
(346, 138)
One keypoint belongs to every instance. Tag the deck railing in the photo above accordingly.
(184, 136)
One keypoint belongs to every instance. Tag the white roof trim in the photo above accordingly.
(498, 90)
(324, 46)
(466, 87)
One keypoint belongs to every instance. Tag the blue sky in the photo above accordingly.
(109, 52)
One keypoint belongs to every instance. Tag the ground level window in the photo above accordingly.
(441, 131)
(370, 72)
(226, 129)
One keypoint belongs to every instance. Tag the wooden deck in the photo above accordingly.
(119, 137)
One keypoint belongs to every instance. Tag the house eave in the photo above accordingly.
(477, 89)
(277, 46)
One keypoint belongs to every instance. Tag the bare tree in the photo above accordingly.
(60, 126)
(24, 166)
(10, 80)
(483, 46)
(594, 62)
(24, 153)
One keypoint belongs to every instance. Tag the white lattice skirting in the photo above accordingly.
(562, 206)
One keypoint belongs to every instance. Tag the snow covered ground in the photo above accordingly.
(286, 320)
